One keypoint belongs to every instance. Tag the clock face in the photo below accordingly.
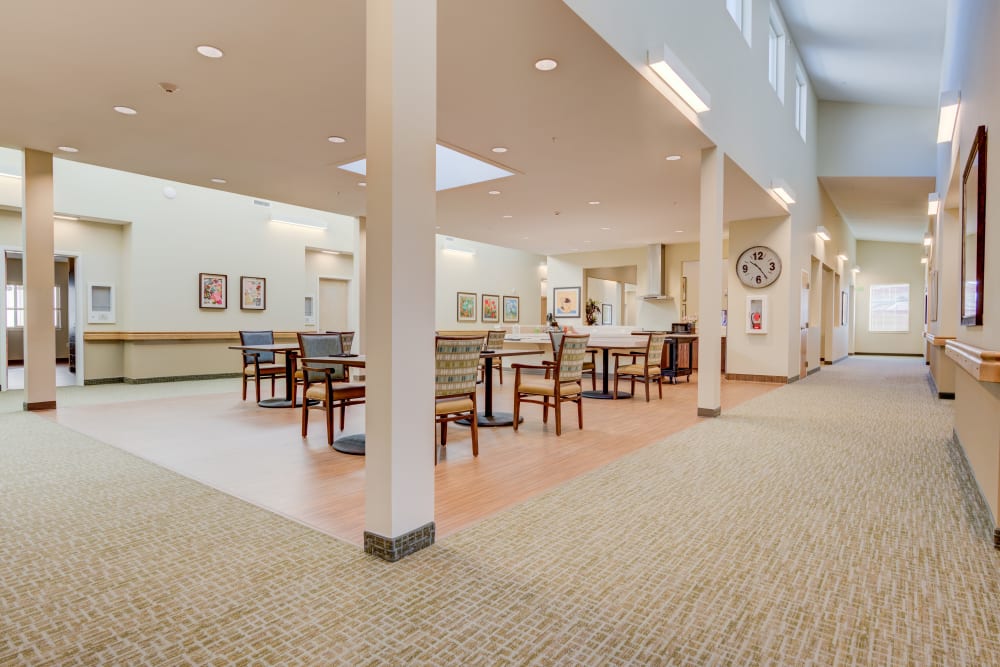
(758, 266)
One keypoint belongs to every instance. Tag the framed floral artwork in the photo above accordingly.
(466, 306)
(566, 301)
(511, 309)
(212, 289)
(253, 293)
(491, 308)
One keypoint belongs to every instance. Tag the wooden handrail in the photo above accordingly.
(937, 341)
(982, 364)
(138, 336)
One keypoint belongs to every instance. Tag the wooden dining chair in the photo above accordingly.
(325, 384)
(589, 361)
(494, 342)
(257, 365)
(560, 384)
(456, 363)
(346, 341)
(644, 365)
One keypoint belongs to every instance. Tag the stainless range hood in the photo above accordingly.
(657, 274)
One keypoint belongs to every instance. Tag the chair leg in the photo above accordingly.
(343, 410)
(328, 408)
(646, 382)
(545, 410)
(593, 379)
(444, 433)
(272, 386)
(256, 386)
(244, 387)
(475, 433)
(614, 396)
(632, 387)
(500, 369)
(558, 408)
(579, 410)
(659, 385)
(517, 408)
(305, 419)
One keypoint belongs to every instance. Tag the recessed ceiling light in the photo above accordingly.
(220, 181)
(605, 229)
(587, 241)
(546, 65)
(209, 51)
(678, 231)
(508, 216)
(494, 192)
(336, 140)
(362, 184)
(524, 238)
(593, 203)
(68, 149)
(128, 111)
(437, 226)
(499, 149)
(673, 158)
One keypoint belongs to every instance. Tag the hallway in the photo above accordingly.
(827, 522)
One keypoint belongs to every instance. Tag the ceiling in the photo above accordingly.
(882, 209)
(870, 51)
(591, 130)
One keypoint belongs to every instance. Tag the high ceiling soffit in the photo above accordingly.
(592, 130)
(882, 209)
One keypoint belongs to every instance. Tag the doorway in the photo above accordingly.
(334, 294)
(827, 317)
(64, 314)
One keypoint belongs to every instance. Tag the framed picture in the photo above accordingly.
(491, 308)
(684, 289)
(512, 309)
(566, 301)
(974, 232)
(212, 289)
(466, 306)
(253, 293)
(684, 311)
(606, 314)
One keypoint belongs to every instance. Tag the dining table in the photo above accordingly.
(353, 443)
(290, 351)
(487, 417)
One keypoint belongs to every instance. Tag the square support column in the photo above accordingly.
(38, 241)
(401, 133)
(710, 284)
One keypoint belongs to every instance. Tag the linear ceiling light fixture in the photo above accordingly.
(856, 269)
(782, 191)
(669, 67)
(933, 203)
(842, 257)
(301, 222)
(950, 101)
(822, 233)
(928, 239)
(60, 216)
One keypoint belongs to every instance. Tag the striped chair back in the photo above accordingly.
(654, 352)
(456, 364)
(494, 339)
(322, 345)
(556, 338)
(570, 358)
(258, 338)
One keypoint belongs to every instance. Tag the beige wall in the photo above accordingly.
(889, 264)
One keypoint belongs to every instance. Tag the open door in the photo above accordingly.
(804, 327)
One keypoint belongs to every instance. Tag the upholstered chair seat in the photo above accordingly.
(649, 370)
(561, 382)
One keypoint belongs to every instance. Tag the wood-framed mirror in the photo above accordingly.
(974, 231)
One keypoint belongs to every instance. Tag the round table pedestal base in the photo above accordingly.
(496, 419)
(607, 396)
(351, 444)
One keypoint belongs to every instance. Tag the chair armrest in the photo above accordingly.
(535, 366)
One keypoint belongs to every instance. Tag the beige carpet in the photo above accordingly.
(823, 523)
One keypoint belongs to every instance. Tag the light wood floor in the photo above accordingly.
(258, 454)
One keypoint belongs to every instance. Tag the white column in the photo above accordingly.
(361, 291)
(710, 285)
(39, 280)
(401, 113)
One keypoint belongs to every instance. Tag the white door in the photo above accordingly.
(3, 321)
(333, 296)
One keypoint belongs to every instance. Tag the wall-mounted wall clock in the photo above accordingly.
(758, 266)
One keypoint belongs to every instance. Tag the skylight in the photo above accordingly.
(454, 169)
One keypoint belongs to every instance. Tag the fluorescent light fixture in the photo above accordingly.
(842, 257)
(59, 216)
(673, 72)
(856, 269)
(933, 203)
(927, 239)
(672, 158)
(330, 252)
(950, 101)
(68, 149)
(125, 111)
(782, 191)
(301, 222)
(923, 260)
(464, 252)
(454, 169)
(220, 181)
(822, 233)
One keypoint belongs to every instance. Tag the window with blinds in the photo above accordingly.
(889, 309)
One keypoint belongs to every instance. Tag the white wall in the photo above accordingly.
(491, 270)
(890, 264)
(872, 140)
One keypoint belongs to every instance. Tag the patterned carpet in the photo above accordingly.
(825, 523)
